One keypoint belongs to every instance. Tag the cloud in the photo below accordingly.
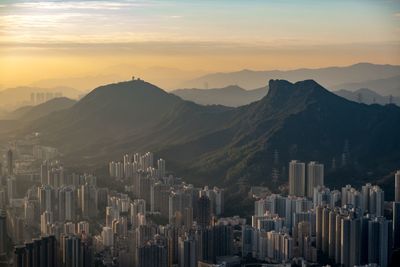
(130, 21)
(82, 21)
(183, 46)
(88, 5)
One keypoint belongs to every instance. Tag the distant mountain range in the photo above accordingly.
(362, 75)
(19, 118)
(231, 96)
(384, 87)
(234, 96)
(231, 147)
(367, 96)
(31, 113)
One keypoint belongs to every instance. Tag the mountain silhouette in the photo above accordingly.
(106, 115)
(385, 87)
(301, 120)
(330, 77)
(223, 145)
(232, 96)
(30, 113)
(367, 96)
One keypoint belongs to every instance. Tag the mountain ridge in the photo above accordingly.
(261, 130)
(231, 95)
(222, 145)
(385, 87)
(367, 96)
(30, 113)
(13, 98)
(329, 77)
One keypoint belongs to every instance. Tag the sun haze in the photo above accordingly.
(169, 41)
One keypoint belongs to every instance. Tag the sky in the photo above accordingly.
(49, 42)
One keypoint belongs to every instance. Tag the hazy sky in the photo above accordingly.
(42, 40)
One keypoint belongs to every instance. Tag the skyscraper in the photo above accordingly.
(31, 211)
(45, 220)
(107, 236)
(3, 232)
(376, 201)
(187, 252)
(379, 237)
(66, 204)
(11, 188)
(161, 168)
(20, 256)
(397, 186)
(338, 238)
(153, 254)
(345, 242)
(355, 242)
(46, 198)
(297, 179)
(1, 173)
(365, 190)
(40, 252)
(138, 207)
(325, 230)
(10, 162)
(178, 201)
(203, 211)
(159, 198)
(315, 177)
(88, 194)
(44, 173)
(223, 240)
(127, 161)
(71, 251)
(396, 224)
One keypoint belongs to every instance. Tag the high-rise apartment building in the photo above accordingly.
(297, 178)
(161, 168)
(203, 217)
(187, 251)
(10, 162)
(397, 186)
(107, 236)
(153, 254)
(315, 177)
(379, 237)
(396, 224)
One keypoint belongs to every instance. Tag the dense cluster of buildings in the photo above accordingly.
(81, 224)
(21, 157)
(66, 219)
(41, 97)
(347, 227)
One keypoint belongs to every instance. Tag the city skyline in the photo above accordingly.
(80, 223)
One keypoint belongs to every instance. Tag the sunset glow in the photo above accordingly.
(42, 40)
